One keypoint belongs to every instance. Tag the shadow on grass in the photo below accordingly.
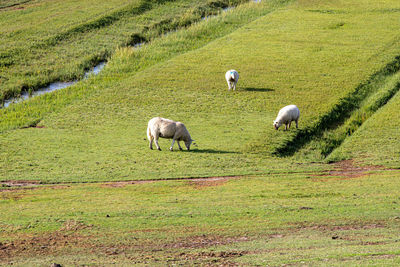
(342, 112)
(212, 151)
(252, 89)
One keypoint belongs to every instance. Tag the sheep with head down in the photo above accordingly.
(286, 115)
(165, 128)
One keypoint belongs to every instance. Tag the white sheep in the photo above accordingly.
(232, 77)
(165, 128)
(286, 115)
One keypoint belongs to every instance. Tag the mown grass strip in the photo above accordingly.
(351, 111)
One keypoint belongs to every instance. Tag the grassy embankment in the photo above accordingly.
(314, 54)
(121, 73)
(81, 35)
(376, 142)
(346, 117)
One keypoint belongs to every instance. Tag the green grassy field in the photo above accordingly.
(256, 220)
(97, 129)
(33, 54)
(94, 194)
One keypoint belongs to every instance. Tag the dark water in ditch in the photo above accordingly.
(94, 71)
(53, 86)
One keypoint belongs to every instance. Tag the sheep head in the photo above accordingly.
(188, 143)
(277, 124)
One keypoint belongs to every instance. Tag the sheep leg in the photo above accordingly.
(172, 145)
(179, 145)
(156, 142)
(297, 125)
(150, 137)
(234, 86)
(285, 126)
(229, 85)
(290, 123)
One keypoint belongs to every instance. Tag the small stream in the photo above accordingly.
(94, 71)
(53, 86)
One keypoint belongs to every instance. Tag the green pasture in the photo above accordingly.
(46, 41)
(96, 130)
(253, 220)
(94, 194)
(115, 152)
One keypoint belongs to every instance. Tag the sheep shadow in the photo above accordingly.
(253, 89)
(212, 151)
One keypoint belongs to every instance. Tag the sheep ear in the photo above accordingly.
(192, 140)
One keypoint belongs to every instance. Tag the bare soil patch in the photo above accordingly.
(201, 249)
(205, 241)
(207, 258)
(125, 183)
(67, 239)
(197, 182)
(44, 244)
(343, 227)
(60, 241)
(344, 232)
(207, 182)
(18, 185)
(350, 169)
(221, 258)
(348, 227)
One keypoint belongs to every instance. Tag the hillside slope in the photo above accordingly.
(46, 41)
(377, 141)
(308, 54)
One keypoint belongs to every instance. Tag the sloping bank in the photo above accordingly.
(117, 23)
(344, 118)
(125, 61)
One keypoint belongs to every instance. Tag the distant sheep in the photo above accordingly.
(165, 128)
(286, 115)
(232, 77)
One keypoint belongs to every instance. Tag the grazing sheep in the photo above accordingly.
(165, 128)
(286, 115)
(232, 77)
